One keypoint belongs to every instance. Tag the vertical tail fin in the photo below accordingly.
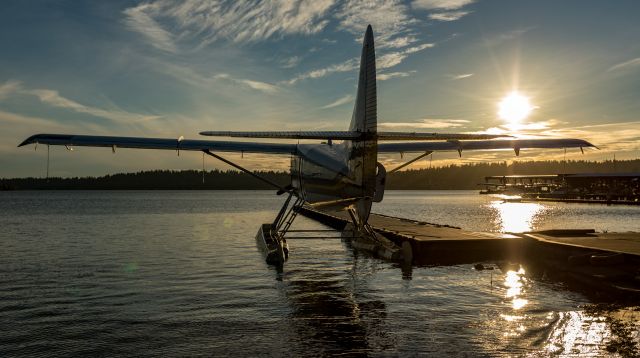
(364, 117)
(363, 155)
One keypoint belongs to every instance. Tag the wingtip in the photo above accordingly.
(589, 144)
(28, 141)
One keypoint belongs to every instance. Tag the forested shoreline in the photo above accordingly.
(450, 177)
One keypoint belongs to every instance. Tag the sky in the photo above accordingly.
(171, 68)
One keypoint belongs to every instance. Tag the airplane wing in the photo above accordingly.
(460, 145)
(346, 135)
(159, 143)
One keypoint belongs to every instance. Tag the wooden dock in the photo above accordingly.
(428, 236)
(627, 243)
(607, 262)
(431, 243)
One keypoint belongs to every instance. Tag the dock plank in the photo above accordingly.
(625, 242)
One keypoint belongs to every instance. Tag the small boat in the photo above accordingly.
(274, 248)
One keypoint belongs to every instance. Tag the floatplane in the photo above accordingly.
(342, 172)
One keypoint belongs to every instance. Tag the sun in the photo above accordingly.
(514, 108)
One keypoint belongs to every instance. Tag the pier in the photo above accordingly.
(607, 262)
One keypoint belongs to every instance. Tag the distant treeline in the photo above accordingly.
(465, 176)
(468, 176)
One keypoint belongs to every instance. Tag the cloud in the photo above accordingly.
(256, 85)
(631, 63)
(239, 21)
(346, 66)
(448, 15)
(54, 99)
(339, 102)
(139, 19)
(395, 58)
(172, 24)
(524, 130)
(290, 62)
(8, 88)
(18, 119)
(461, 76)
(440, 4)
(390, 75)
(507, 36)
(383, 62)
(431, 123)
(390, 19)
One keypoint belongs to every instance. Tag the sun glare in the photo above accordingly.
(514, 108)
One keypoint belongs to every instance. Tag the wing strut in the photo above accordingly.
(409, 162)
(48, 162)
(281, 189)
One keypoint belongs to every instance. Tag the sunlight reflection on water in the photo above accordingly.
(514, 281)
(516, 217)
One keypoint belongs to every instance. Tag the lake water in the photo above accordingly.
(177, 273)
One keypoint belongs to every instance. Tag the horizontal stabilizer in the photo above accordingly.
(435, 136)
(337, 135)
(347, 135)
(71, 140)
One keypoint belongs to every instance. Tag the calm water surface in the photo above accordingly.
(149, 273)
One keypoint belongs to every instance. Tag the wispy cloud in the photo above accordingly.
(507, 36)
(385, 61)
(339, 102)
(256, 85)
(140, 19)
(290, 62)
(461, 76)
(440, 4)
(627, 64)
(395, 58)
(170, 25)
(390, 19)
(8, 88)
(19, 119)
(431, 123)
(529, 129)
(54, 99)
(448, 15)
(391, 75)
(345, 66)
(239, 21)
